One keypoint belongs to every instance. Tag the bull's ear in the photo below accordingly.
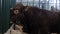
(27, 8)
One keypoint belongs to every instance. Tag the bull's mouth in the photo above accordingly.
(17, 23)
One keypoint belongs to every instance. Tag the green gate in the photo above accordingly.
(5, 12)
(0, 18)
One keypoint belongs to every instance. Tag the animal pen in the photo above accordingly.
(5, 6)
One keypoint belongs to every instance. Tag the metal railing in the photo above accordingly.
(44, 4)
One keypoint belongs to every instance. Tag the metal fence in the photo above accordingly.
(43, 4)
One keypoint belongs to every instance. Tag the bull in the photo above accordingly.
(36, 20)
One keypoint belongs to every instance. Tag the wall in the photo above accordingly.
(5, 12)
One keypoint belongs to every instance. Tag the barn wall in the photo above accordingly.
(0, 19)
(12, 3)
(6, 5)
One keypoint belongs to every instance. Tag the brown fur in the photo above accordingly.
(38, 21)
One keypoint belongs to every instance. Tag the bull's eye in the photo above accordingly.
(16, 11)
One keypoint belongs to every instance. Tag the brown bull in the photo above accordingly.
(38, 21)
(50, 20)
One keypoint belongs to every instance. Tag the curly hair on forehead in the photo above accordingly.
(18, 6)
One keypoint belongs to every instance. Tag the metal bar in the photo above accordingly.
(56, 4)
(39, 3)
(33, 2)
(27, 2)
(21, 1)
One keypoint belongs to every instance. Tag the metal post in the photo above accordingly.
(27, 2)
(39, 3)
(21, 1)
(56, 4)
(33, 2)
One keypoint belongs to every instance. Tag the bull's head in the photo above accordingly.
(17, 13)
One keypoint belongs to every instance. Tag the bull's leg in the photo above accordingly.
(14, 27)
(35, 31)
(44, 30)
(38, 30)
(58, 29)
(26, 28)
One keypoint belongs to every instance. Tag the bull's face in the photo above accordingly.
(16, 16)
